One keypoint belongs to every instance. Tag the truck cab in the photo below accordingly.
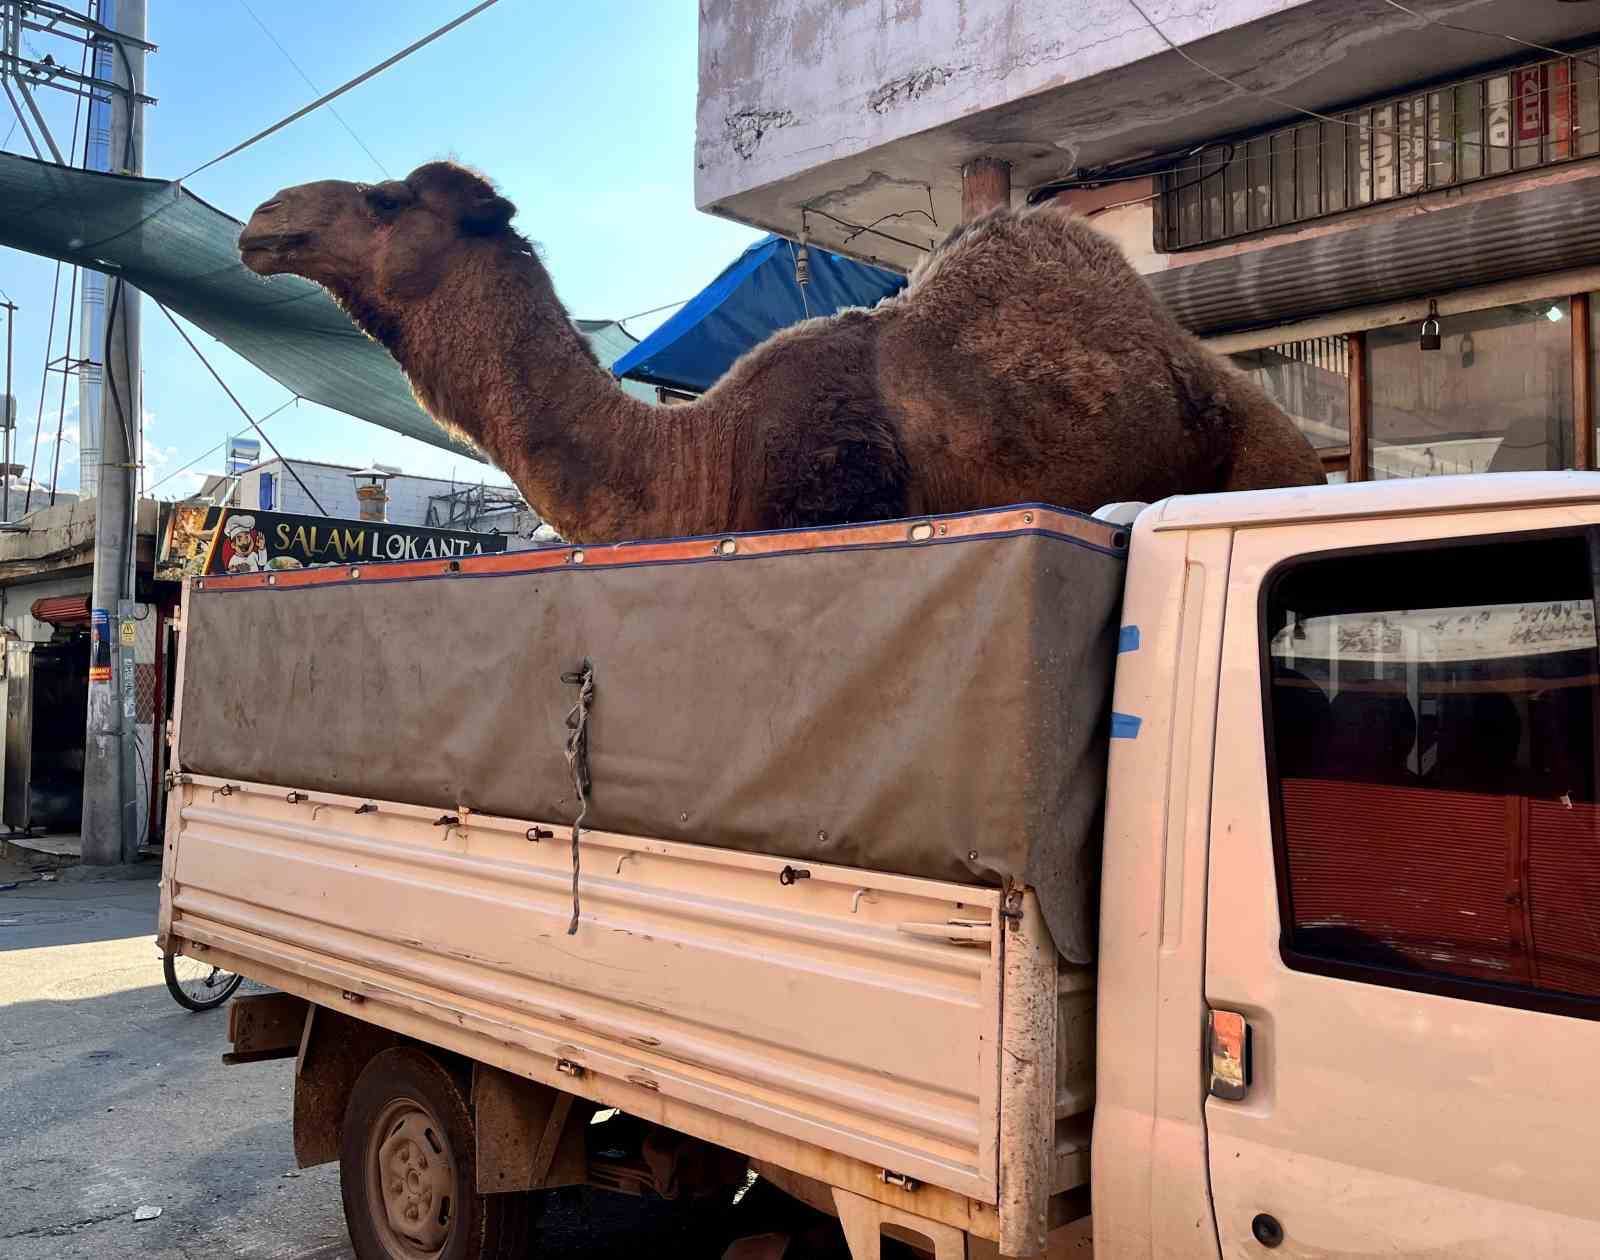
(1350, 919)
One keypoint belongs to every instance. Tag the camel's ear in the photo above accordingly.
(486, 213)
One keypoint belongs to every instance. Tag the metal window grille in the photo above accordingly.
(1518, 119)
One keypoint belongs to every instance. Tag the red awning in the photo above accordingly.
(62, 610)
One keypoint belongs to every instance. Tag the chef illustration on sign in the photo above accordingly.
(244, 547)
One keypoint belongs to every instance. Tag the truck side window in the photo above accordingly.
(1431, 725)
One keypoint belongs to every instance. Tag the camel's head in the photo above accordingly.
(379, 240)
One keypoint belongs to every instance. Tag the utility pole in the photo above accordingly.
(8, 411)
(110, 807)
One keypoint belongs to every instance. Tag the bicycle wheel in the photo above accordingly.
(198, 985)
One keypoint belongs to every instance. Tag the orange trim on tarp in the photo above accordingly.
(912, 531)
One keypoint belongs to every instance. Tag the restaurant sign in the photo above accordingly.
(198, 539)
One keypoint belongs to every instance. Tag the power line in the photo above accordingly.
(315, 88)
(1415, 135)
(55, 295)
(61, 408)
(345, 87)
(206, 454)
(1311, 113)
(188, 341)
(859, 228)
(1473, 30)
(667, 307)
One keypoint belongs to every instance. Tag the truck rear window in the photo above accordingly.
(1432, 717)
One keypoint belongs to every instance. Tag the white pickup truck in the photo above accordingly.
(1346, 1000)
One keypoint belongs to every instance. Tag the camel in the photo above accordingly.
(1025, 361)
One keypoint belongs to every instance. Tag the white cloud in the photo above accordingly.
(69, 444)
(153, 456)
(181, 485)
(157, 459)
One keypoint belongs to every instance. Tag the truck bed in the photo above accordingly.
(901, 1038)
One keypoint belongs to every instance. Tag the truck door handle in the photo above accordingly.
(1228, 1044)
(955, 932)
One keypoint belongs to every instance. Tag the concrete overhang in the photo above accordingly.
(866, 110)
(60, 540)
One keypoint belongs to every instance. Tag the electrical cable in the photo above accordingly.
(1279, 101)
(235, 401)
(38, 419)
(151, 489)
(344, 87)
(26, 130)
(1115, 173)
(1045, 190)
(1474, 30)
(55, 295)
(859, 228)
(667, 307)
(61, 408)
(276, 44)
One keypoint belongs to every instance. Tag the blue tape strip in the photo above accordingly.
(1128, 640)
(1125, 726)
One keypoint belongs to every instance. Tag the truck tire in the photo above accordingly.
(407, 1168)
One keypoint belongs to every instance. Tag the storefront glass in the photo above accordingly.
(1496, 396)
(1311, 381)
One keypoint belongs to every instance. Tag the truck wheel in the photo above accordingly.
(407, 1160)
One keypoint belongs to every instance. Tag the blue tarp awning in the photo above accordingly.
(753, 297)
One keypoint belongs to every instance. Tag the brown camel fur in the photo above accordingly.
(1025, 361)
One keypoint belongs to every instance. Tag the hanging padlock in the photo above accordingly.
(1431, 338)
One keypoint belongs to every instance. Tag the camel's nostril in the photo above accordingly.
(268, 205)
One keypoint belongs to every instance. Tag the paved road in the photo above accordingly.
(112, 1097)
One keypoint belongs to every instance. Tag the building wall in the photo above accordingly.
(786, 85)
(832, 118)
(408, 496)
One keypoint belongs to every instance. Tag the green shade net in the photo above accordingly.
(171, 245)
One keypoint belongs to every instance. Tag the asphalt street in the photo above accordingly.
(113, 1099)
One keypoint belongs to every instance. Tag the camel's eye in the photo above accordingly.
(383, 199)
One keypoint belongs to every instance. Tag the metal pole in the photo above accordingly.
(110, 801)
(10, 417)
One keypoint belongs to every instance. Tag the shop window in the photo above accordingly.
(1310, 380)
(1431, 718)
(1495, 397)
(1533, 116)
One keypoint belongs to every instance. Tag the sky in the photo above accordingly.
(583, 114)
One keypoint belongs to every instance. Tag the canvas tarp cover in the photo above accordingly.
(849, 696)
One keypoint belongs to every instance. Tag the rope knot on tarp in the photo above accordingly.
(577, 754)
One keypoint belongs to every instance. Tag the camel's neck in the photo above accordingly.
(491, 352)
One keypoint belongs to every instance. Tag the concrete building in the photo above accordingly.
(46, 572)
(412, 500)
(1302, 181)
